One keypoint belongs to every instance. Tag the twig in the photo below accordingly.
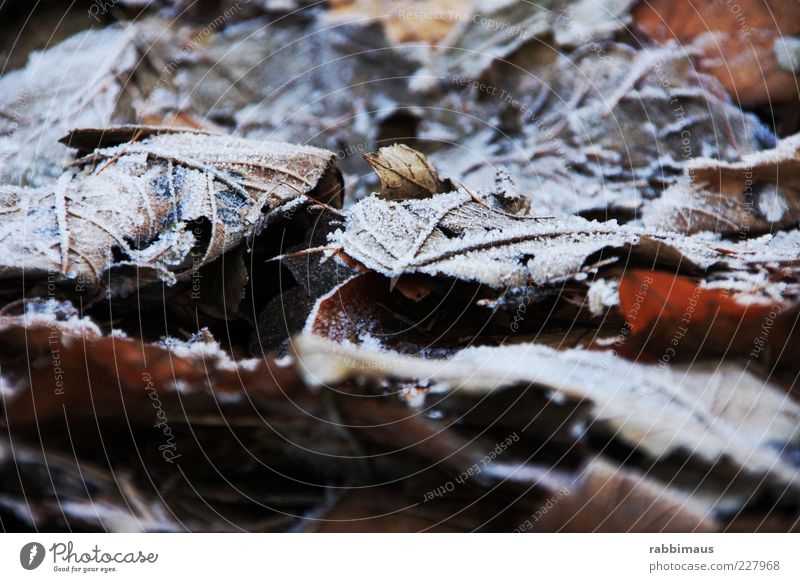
(327, 207)
(304, 252)
(122, 151)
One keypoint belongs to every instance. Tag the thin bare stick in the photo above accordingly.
(327, 207)
(122, 151)
(303, 252)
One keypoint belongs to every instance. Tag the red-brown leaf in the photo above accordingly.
(671, 318)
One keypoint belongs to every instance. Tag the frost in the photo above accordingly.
(167, 205)
(453, 235)
(602, 296)
(78, 83)
(712, 411)
(203, 348)
(60, 315)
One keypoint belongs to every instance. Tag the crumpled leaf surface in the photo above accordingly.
(405, 173)
(759, 193)
(88, 80)
(718, 413)
(165, 205)
(563, 124)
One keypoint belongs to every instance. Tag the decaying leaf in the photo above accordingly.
(303, 279)
(759, 193)
(718, 413)
(406, 173)
(163, 207)
(174, 400)
(88, 80)
(676, 319)
(738, 43)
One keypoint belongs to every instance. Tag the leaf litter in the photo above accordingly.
(575, 248)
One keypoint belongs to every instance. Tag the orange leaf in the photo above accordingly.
(736, 41)
(672, 318)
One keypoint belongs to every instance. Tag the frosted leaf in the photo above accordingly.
(78, 83)
(717, 412)
(454, 235)
(761, 192)
(451, 234)
(165, 205)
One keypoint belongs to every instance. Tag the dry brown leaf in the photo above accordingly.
(162, 207)
(406, 173)
(737, 41)
(255, 89)
(184, 407)
(411, 313)
(718, 413)
(759, 193)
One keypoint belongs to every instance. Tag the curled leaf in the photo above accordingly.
(674, 318)
(759, 193)
(719, 414)
(406, 173)
(162, 207)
